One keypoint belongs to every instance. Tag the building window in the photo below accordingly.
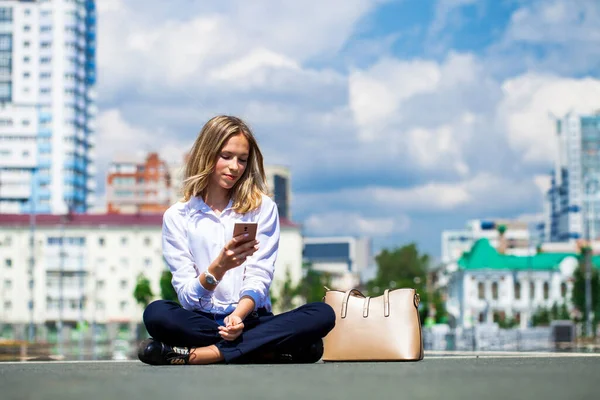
(147, 242)
(123, 305)
(7, 284)
(124, 240)
(495, 290)
(6, 14)
(123, 284)
(517, 316)
(100, 285)
(563, 290)
(531, 290)
(481, 290)
(7, 305)
(517, 288)
(101, 242)
(99, 305)
(27, 28)
(147, 262)
(546, 290)
(8, 263)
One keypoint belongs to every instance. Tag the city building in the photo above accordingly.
(516, 237)
(575, 183)
(280, 186)
(487, 286)
(47, 106)
(135, 185)
(92, 262)
(343, 258)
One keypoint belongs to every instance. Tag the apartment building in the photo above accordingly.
(47, 105)
(90, 263)
(135, 185)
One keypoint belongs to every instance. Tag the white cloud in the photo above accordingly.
(233, 39)
(376, 94)
(389, 102)
(245, 68)
(556, 21)
(484, 193)
(117, 136)
(443, 12)
(401, 137)
(553, 36)
(355, 224)
(528, 105)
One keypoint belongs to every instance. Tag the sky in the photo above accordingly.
(398, 119)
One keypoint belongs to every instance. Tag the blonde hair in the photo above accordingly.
(248, 190)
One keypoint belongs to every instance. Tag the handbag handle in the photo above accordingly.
(386, 302)
(345, 302)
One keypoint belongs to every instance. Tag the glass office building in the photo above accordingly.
(573, 200)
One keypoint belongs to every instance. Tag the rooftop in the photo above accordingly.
(484, 256)
(116, 220)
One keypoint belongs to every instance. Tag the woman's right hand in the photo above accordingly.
(236, 251)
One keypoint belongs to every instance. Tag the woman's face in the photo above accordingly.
(231, 162)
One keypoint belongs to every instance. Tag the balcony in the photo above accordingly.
(45, 133)
(70, 292)
(91, 185)
(68, 314)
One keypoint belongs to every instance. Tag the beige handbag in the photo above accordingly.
(383, 328)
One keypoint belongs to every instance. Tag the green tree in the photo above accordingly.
(559, 312)
(284, 298)
(312, 286)
(401, 267)
(143, 292)
(167, 292)
(578, 298)
(406, 267)
(541, 317)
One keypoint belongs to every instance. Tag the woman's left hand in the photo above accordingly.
(233, 328)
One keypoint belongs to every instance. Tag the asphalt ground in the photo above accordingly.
(439, 376)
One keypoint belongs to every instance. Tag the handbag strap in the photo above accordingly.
(345, 302)
(366, 307)
(386, 302)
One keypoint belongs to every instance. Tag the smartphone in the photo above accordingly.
(245, 227)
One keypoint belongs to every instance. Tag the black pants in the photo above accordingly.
(168, 322)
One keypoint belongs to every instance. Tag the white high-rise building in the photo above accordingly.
(47, 105)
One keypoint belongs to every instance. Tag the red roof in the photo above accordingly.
(14, 220)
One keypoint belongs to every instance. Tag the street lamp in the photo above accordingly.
(591, 184)
(31, 272)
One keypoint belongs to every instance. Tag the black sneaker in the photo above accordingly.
(154, 352)
(303, 355)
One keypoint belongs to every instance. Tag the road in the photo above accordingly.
(456, 376)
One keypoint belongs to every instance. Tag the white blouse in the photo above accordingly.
(194, 235)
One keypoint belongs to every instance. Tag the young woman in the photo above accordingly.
(222, 282)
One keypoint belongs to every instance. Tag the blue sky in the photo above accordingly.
(398, 119)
